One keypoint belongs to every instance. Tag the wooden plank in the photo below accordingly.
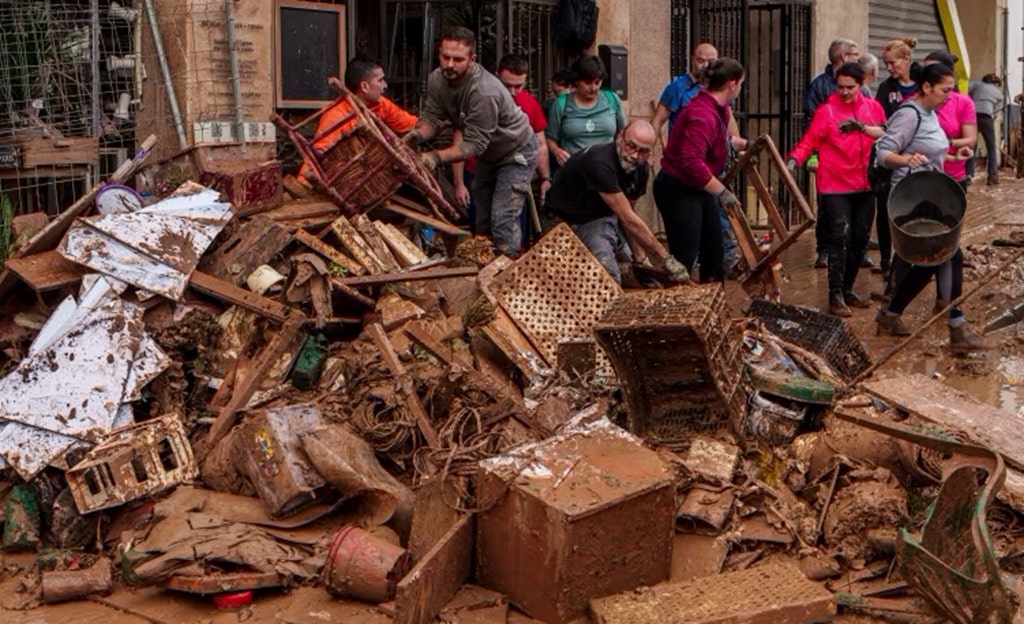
(292, 210)
(426, 589)
(437, 224)
(46, 271)
(332, 254)
(408, 276)
(514, 343)
(412, 400)
(255, 243)
(245, 386)
(356, 246)
(235, 295)
(46, 151)
(950, 408)
(380, 249)
(407, 253)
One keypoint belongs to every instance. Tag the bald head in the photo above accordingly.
(635, 144)
(703, 54)
(640, 132)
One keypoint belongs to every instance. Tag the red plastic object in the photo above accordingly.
(361, 565)
(236, 600)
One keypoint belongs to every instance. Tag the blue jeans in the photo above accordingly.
(499, 191)
(601, 237)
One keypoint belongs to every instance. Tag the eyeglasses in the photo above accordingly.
(636, 149)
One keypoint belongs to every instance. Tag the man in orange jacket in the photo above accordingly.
(364, 77)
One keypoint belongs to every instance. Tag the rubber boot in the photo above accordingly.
(892, 325)
(836, 305)
(962, 338)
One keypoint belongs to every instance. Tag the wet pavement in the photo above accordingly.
(995, 376)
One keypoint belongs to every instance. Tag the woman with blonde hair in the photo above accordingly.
(900, 86)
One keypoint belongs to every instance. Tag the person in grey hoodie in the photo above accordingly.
(494, 129)
(913, 142)
(987, 94)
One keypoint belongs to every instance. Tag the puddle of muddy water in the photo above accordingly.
(1002, 388)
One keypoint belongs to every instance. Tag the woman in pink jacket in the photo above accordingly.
(842, 132)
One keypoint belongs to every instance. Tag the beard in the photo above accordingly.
(452, 74)
(628, 163)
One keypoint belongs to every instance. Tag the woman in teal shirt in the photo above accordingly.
(584, 116)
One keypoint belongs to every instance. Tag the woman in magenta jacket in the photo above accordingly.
(842, 132)
(687, 190)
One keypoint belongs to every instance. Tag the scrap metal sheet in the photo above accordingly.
(155, 248)
(86, 362)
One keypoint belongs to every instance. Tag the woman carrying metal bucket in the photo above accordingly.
(926, 207)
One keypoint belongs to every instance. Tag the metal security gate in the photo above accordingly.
(411, 29)
(529, 31)
(773, 41)
(896, 19)
(679, 53)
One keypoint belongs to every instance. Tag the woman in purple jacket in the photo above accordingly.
(687, 190)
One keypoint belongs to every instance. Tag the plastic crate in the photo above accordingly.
(826, 335)
(679, 365)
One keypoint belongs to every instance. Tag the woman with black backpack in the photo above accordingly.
(914, 141)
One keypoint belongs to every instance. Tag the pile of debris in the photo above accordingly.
(214, 400)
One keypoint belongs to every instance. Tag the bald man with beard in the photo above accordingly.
(596, 191)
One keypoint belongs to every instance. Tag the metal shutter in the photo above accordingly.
(896, 19)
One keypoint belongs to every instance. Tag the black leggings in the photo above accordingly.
(910, 280)
(848, 217)
(692, 225)
(882, 228)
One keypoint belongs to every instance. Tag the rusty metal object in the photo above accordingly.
(74, 584)
(953, 563)
(270, 450)
(770, 594)
(364, 566)
(677, 360)
(544, 541)
(220, 582)
(557, 290)
(133, 462)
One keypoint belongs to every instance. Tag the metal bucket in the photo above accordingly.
(926, 215)
(362, 565)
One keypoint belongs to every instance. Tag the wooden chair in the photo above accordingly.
(367, 164)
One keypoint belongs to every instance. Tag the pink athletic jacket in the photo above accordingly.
(842, 157)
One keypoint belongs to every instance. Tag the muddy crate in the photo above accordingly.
(677, 358)
(588, 513)
(133, 462)
(826, 335)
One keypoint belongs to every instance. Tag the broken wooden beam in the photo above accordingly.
(357, 246)
(437, 224)
(236, 295)
(407, 276)
(407, 253)
(247, 384)
(380, 249)
(332, 254)
(412, 400)
(46, 271)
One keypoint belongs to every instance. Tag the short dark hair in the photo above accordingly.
(852, 70)
(992, 79)
(942, 56)
(587, 67)
(514, 63)
(721, 71)
(462, 35)
(361, 67)
(563, 77)
(933, 74)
